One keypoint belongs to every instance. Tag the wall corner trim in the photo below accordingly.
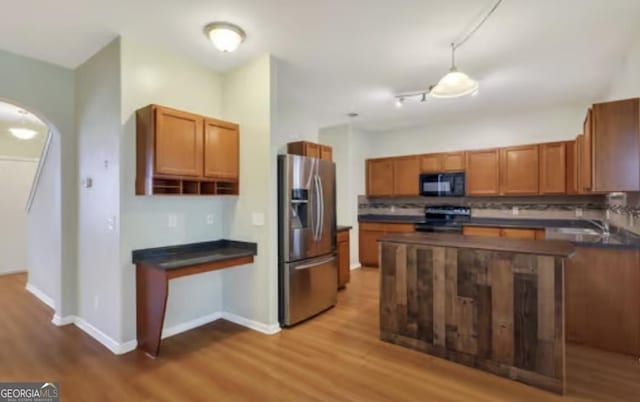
(251, 324)
(114, 346)
(186, 326)
(43, 297)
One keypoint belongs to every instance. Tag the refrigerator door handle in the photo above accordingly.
(315, 263)
(321, 225)
(316, 205)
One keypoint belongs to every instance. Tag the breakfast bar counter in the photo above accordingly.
(495, 304)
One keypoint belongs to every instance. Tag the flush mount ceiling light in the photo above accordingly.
(226, 37)
(23, 133)
(455, 83)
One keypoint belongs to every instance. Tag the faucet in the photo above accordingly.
(602, 224)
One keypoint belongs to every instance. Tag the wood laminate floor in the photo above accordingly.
(335, 357)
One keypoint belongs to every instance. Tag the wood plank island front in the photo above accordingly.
(490, 303)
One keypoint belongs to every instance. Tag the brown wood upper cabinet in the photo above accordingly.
(586, 149)
(483, 172)
(572, 167)
(178, 142)
(183, 153)
(446, 162)
(379, 174)
(221, 149)
(310, 149)
(519, 168)
(553, 167)
(612, 130)
(406, 171)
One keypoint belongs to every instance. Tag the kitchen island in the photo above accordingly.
(494, 304)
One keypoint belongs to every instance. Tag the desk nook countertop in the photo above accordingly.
(494, 304)
(156, 266)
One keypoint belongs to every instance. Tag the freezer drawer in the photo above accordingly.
(308, 287)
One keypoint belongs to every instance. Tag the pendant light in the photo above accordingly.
(455, 83)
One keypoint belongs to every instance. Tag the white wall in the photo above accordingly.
(350, 148)
(554, 124)
(98, 130)
(16, 176)
(626, 82)
(251, 291)
(48, 91)
(44, 249)
(151, 75)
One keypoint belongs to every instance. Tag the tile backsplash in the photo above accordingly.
(541, 207)
(623, 210)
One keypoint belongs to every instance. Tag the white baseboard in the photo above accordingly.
(62, 321)
(13, 271)
(43, 297)
(255, 325)
(186, 326)
(357, 265)
(114, 346)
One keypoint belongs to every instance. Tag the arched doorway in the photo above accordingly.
(30, 176)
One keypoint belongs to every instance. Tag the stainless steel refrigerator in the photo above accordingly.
(307, 264)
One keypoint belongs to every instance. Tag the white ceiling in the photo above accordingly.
(353, 55)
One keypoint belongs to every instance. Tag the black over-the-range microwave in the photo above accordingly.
(442, 184)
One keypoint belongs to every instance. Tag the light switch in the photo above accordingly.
(257, 219)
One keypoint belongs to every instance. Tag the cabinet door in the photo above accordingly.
(178, 143)
(221, 150)
(572, 167)
(483, 172)
(616, 146)
(406, 175)
(585, 155)
(344, 265)
(453, 162)
(579, 150)
(399, 227)
(553, 168)
(518, 233)
(519, 167)
(380, 177)
(326, 153)
(481, 231)
(312, 150)
(368, 247)
(431, 163)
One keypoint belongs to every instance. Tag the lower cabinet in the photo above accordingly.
(369, 233)
(511, 233)
(602, 291)
(344, 259)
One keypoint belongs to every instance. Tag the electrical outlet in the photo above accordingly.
(515, 211)
(210, 219)
(257, 219)
(111, 223)
(172, 221)
(579, 212)
(393, 208)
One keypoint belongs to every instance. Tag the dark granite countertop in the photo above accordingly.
(619, 238)
(556, 248)
(340, 228)
(172, 257)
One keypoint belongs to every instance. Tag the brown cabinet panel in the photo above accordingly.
(483, 172)
(380, 177)
(368, 247)
(615, 132)
(481, 231)
(344, 259)
(586, 150)
(221, 150)
(453, 162)
(553, 168)
(603, 300)
(312, 150)
(572, 167)
(399, 227)
(178, 143)
(431, 163)
(518, 233)
(519, 168)
(326, 153)
(406, 173)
